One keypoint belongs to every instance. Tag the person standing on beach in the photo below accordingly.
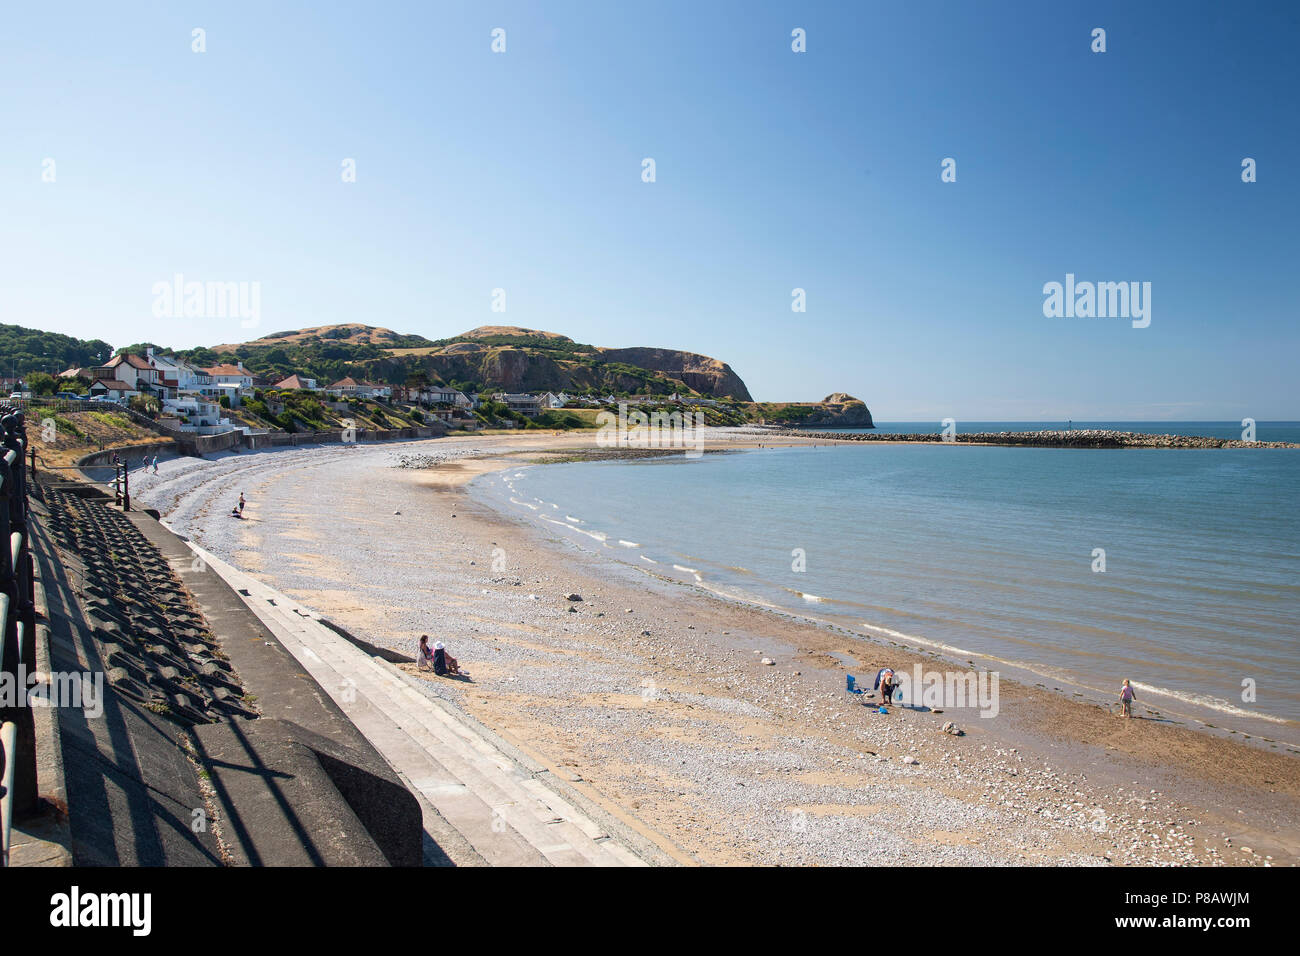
(885, 681)
(241, 504)
(1126, 697)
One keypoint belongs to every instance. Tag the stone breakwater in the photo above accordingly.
(1093, 438)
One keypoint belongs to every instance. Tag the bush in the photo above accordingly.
(145, 405)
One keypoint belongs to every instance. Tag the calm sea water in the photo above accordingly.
(1264, 431)
(984, 551)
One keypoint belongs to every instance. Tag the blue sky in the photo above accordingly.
(775, 170)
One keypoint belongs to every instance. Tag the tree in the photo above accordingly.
(42, 383)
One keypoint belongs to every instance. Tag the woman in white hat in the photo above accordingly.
(444, 663)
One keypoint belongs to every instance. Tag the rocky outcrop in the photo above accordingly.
(839, 410)
(709, 376)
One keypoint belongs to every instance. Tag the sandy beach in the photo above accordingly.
(652, 695)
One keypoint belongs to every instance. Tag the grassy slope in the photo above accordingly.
(79, 433)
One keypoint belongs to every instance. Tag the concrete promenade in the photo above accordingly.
(482, 804)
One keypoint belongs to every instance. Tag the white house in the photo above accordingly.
(199, 415)
(176, 376)
(235, 375)
(128, 370)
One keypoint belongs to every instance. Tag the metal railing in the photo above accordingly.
(18, 614)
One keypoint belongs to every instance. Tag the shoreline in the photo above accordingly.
(604, 690)
(1206, 714)
(1081, 438)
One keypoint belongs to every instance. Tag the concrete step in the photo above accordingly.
(507, 816)
(486, 771)
(454, 800)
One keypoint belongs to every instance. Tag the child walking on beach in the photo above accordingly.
(1126, 698)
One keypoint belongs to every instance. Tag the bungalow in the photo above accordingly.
(344, 388)
(377, 390)
(441, 395)
(112, 388)
(297, 381)
(529, 405)
(551, 400)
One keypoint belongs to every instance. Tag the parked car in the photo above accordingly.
(71, 396)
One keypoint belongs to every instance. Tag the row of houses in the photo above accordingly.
(193, 394)
(534, 405)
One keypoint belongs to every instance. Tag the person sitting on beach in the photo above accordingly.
(1126, 697)
(444, 663)
(424, 655)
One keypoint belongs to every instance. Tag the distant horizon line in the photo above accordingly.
(1126, 421)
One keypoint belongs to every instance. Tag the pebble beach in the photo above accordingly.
(721, 730)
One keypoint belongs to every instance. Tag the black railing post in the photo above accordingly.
(17, 584)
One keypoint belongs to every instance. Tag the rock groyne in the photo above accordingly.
(1084, 438)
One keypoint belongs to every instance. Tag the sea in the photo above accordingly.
(1072, 568)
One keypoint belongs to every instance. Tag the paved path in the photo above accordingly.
(505, 815)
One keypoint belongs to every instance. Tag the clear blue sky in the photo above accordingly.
(775, 170)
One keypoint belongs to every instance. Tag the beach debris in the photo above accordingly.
(768, 661)
(911, 761)
(397, 512)
(627, 610)
(533, 597)
(951, 728)
(645, 633)
(573, 596)
(572, 609)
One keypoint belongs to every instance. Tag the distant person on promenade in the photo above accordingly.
(1126, 698)
(444, 663)
(155, 464)
(424, 655)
